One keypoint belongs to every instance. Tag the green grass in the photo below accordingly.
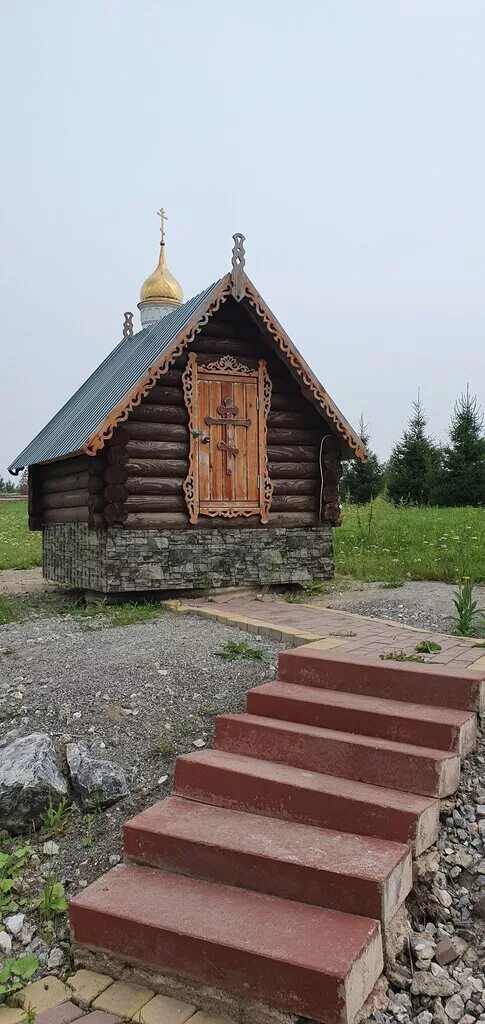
(108, 616)
(19, 548)
(391, 544)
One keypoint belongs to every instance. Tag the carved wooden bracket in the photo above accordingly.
(238, 277)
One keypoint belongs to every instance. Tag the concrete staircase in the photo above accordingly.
(285, 852)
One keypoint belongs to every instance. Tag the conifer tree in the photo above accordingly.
(362, 481)
(462, 480)
(414, 464)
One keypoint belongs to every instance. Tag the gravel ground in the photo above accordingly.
(148, 691)
(425, 604)
(447, 905)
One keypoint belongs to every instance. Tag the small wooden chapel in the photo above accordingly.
(202, 452)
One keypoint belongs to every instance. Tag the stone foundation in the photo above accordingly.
(117, 560)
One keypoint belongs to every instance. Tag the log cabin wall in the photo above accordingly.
(146, 461)
(67, 491)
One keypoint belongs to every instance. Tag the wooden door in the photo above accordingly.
(228, 405)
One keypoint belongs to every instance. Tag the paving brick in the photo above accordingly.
(88, 985)
(207, 1018)
(62, 1014)
(122, 999)
(45, 994)
(164, 1010)
(100, 1017)
(11, 1014)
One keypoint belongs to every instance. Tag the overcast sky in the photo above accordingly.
(344, 138)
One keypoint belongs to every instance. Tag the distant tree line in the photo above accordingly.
(15, 486)
(420, 471)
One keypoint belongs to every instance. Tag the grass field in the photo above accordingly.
(19, 549)
(391, 544)
(379, 542)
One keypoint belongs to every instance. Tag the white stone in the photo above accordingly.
(15, 923)
(444, 897)
(5, 942)
(454, 1008)
(50, 849)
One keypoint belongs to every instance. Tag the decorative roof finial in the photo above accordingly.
(163, 216)
(128, 326)
(238, 262)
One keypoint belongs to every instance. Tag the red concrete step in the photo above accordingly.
(355, 874)
(294, 794)
(423, 726)
(379, 762)
(434, 685)
(298, 958)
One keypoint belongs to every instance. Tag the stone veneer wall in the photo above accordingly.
(116, 560)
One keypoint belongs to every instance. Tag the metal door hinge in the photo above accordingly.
(257, 403)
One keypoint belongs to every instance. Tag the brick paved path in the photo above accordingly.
(326, 627)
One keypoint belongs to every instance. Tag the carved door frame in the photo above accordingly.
(190, 377)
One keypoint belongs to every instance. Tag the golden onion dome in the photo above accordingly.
(161, 286)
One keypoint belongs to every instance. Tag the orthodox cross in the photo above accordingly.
(228, 413)
(163, 216)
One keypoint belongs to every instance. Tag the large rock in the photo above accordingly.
(29, 780)
(96, 781)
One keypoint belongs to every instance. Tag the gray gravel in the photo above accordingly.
(424, 604)
(148, 691)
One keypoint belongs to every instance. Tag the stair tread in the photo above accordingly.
(299, 844)
(371, 742)
(363, 702)
(428, 684)
(297, 932)
(317, 781)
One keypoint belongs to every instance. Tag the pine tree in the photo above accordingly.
(462, 480)
(414, 464)
(362, 481)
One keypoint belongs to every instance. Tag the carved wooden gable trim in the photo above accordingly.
(228, 405)
(241, 288)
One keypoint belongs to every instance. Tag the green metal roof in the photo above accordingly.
(73, 425)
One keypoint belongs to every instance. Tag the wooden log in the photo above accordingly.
(157, 450)
(293, 470)
(291, 437)
(75, 482)
(133, 431)
(156, 468)
(115, 512)
(152, 413)
(293, 519)
(67, 467)
(224, 329)
(331, 476)
(294, 503)
(171, 379)
(155, 503)
(115, 492)
(116, 456)
(156, 521)
(148, 451)
(66, 515)
(289, 420)
(162, 395)
(153, 485)
(331, 445)
(229, 345)
(34, 503)
(73, 499)
(289, 486)
(293, 453)
(287, 401)
(115, 474)
(330, 494)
